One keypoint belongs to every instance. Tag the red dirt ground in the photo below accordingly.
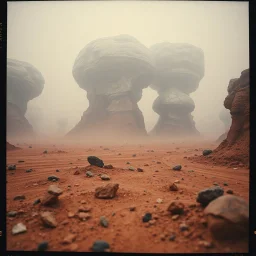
(126, 231)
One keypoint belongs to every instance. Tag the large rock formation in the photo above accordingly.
(236, 146)
(24, 82)
(179, 69)
(113, 71)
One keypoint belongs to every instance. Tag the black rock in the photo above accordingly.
(147, 217)
(20, 197)
(42, 246)
(103, 221)
(53, 178)
(177, 168)
(172, 237)
(29, 170)
(100, 246)
(12, 167)
(45, 152)
(207, 195)
(12, 214)
(93, 160)
(57, 170)
(207, 152)
(21, 161)
(37, 201)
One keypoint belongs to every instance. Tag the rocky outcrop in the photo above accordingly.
(10, 146)
(236, 146)
(24, 82)
(179, 69)
(113, 71)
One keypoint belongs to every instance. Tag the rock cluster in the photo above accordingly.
(24, 83)
(179, 69)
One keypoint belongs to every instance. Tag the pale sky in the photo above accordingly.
(49, 35)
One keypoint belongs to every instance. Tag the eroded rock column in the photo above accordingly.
(24, 83)
(113, 71)
(179, 69)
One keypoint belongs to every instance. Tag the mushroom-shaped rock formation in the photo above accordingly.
(225, 117)
(113, 71)
(24, 82)
(236, 146)
(179, 69)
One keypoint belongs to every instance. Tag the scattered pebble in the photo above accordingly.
(230, 191)
(105, 177)
(183, 227)
(174, 187)
(43, 246)
(205, 196)
(172, 237)
(108, 166)
(48, 219)
(147, 217)
(70, 238)
(159, 200)
(176, 208)
(93, 160)
(225, 184)
(12, 167)
(12, 214)
(205, 244)
(177, 168)
(89, 174)
(207, 152)
(103, 221)
(37, 201)
(29, 170)
(131, 168)
(52, 178)
(19, 197)
(45, 152)
(19, 228)
(100, 246)
(132, 208)
(139, 169)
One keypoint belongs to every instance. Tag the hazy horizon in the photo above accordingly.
(49, 35)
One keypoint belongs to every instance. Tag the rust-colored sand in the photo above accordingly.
(126, 231)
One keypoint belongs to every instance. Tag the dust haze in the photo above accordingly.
(49, 35)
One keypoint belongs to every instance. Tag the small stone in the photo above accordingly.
(152, 222)
(21, 161)
(54, 190)
(176, 208)
(57, 170)
(158, 162)
(108, 166)
(159, 200)
(105, 177)
(177, 168)
(45, 152)
(64, 222)
(19, 197)
(147, 217)
(76, 172)
(100, 246)
(89, 174)
(69, 239)
(107, 192)
(12, 167)
(84, 209)
(93, 160)
(205, 244)
(19, 228)
(83, 202)
(230, 191)
(205, 196)
(128, 163)
(225, 184)
(42, 246)
(172, 237)
(103, 221)
(132, 208)
(183, 227)
(12, 214)
(177, 181)
(146, 164)
(84, 216)
(37, 201)
(207, 152)
(71, 214)
(29, 170)
(215, 184)
(175, 217)
(133, 155)
(131, 168)
(52, 178)
(139, 169)
(174, 187)
(48, 219)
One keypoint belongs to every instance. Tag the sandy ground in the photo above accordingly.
(126, 231)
